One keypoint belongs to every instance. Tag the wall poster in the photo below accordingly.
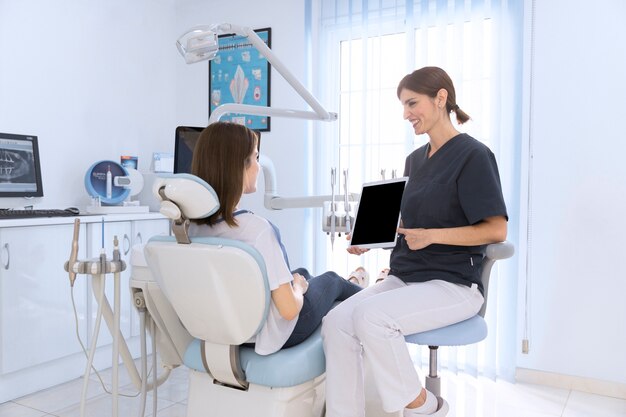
(240, 74)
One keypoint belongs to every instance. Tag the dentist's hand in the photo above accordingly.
(355, 250)
(416, 238)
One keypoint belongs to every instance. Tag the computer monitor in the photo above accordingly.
(20, 170)
(185, 142)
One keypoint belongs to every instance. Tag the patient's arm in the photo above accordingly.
(288, 298)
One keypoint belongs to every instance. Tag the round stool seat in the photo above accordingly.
(466, 332)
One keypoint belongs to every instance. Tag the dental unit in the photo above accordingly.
(296, 393)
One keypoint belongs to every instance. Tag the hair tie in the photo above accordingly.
(455, 107)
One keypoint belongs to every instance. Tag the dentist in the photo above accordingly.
(452, 207)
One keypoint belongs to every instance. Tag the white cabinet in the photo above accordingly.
(38, 344)
(36, 315)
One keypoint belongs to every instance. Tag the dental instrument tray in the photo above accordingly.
(6, 214)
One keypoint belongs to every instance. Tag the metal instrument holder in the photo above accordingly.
(98, 268)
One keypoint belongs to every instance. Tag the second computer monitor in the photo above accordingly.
(185, 142)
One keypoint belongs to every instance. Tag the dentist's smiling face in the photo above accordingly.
(420, 110)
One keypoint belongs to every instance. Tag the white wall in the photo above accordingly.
(92, 79)
(577, 282)
(95, 80)
(287, 144)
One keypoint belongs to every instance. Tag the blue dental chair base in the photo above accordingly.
(285, 368)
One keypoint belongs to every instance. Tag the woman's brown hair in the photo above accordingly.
(428, 81)
(222, 153)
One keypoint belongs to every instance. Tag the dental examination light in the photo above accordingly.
(199, 44)
(202, 43)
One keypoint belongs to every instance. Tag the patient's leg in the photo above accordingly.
(323, 292)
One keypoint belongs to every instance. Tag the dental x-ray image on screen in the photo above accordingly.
(20, 172)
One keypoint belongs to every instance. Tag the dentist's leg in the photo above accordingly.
(344, 368)
(381, 322)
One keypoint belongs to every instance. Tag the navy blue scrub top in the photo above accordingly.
(459, 185)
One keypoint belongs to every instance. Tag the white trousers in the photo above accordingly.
(371, 326)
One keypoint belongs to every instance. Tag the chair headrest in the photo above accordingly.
(185, 194)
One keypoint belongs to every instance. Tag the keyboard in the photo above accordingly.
(34, 213)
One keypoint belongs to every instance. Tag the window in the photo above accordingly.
(361, 50)
(372, 139)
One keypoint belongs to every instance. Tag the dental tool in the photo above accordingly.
(346, 203)
(98, 268)
(333, 175)
(73, 252)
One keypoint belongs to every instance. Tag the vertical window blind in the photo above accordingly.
(360, 49)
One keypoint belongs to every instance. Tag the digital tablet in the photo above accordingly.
(378, 214)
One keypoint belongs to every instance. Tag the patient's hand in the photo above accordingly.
(300, 282)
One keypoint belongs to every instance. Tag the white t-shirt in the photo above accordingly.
(258, 233)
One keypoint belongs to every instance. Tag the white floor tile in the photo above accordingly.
(61, 396)
(481, 397)
(466, 395)
(582, 404)
(176, 410)
(102, 406)
(11, 409)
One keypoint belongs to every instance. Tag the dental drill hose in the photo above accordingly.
(116, 328)
(69, 265)
(333, 219)
(92, 351)
(346, 203)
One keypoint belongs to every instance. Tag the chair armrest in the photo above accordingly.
(501, 250)
(493, 252)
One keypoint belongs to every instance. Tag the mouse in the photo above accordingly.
(73, 210)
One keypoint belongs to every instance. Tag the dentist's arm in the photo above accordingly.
(490, 230)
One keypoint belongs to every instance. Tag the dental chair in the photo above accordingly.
(208, 297)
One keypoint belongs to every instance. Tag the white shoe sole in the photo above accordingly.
(442, 408)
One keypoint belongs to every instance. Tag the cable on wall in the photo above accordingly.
(529, 207)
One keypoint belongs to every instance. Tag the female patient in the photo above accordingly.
(226, 156)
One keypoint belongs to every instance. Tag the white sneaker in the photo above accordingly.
(442, 410)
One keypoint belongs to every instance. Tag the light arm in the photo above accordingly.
(201, 43)
(278, 65)
(273, 202)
